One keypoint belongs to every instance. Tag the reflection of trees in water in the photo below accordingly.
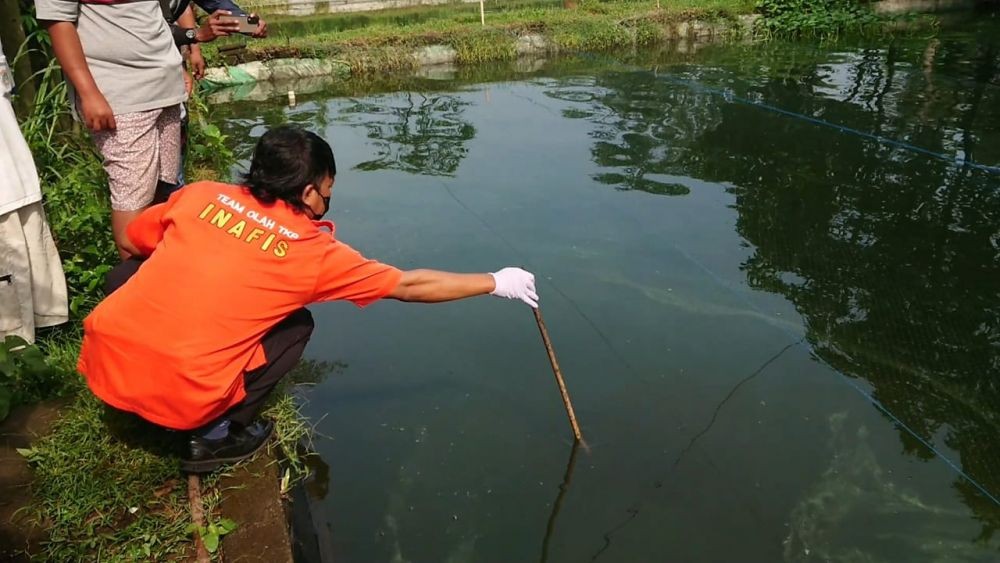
(242, 134)
(891, 257)
(644, 129)
(413, 132)
(647, 126)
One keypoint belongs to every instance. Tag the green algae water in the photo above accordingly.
(771, 274)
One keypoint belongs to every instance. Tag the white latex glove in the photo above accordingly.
(515, 283)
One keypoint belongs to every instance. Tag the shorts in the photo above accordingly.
(142, 151)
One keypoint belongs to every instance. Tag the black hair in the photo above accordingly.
(286, 160)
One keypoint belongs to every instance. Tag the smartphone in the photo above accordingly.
(248, 24)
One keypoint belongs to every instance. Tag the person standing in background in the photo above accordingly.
(187, 36)
(128, 86)
(32, 284)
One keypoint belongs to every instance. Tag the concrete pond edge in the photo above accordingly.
(526, 45)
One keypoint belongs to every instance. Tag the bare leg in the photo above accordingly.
(137, 154)
(119, 221)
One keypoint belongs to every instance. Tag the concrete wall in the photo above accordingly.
(310, 7)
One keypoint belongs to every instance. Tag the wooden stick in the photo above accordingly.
(482, 12)
(558, 373)
(198, 516)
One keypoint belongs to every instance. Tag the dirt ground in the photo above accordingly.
(19, 535)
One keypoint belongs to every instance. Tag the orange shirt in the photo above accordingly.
(173, 342)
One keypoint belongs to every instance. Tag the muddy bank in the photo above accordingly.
(20, 534)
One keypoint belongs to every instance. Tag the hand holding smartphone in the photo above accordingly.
(248, 24)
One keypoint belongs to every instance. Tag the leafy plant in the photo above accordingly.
(212, 533)
(208, 156)
(821, 18)
(22, 365)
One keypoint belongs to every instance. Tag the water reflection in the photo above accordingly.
(855, 493)
(413, 132)
(550, 526)
(642, 125)
(891, 256)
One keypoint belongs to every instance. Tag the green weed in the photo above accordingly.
(293, 434)
(75, 189)
(481, 45)
(208, 156)
(212, 533)
(293, 438)
(33, 372)
(815, 18)
(107, 482)
(23, 372)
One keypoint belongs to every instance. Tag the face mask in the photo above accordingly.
(326, 207)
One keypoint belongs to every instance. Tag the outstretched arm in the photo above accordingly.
(344, 274)
(432, 286)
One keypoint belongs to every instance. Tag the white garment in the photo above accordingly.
(32, 284)
(18, 176)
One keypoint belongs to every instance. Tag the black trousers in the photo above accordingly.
(283, 346)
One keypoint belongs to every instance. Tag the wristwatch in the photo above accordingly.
(183, 35)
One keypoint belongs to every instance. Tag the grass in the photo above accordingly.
(381, 44)
(108, 485)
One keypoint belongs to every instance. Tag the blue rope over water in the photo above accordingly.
(730, 97)
(878, 404)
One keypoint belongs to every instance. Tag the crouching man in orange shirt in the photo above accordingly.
(201, 325)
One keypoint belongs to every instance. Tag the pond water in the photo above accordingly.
(772, 278)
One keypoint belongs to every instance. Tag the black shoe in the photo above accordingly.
(208, 455)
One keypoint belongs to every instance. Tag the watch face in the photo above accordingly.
(189, 34)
